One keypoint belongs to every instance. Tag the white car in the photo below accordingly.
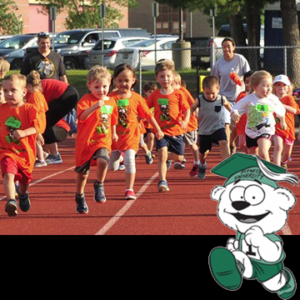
(111, 48)
(131, 55)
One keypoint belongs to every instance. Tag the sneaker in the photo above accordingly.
(184, 160)
(202, 172)
(130, 195)
(169, 164)
(11, 208)
(99, 192)
(163, 186)
(149, 159)
(290, 287)
(24, 202)
(179, 166)
(54, 159)
(194, 171)
(81, 207)
(40, 164)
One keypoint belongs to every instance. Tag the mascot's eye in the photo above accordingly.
(237, 194)
(254, 195)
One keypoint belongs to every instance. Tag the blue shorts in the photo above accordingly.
(175, 144)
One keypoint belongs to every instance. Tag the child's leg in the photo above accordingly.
(114, 162)
(81, 180)
(102, 167)
(151, 140)
(264, 146)
(162, 163)
(287, 153)
(233, 137)
(195, 152)
(203, 157)
(225, 152)
(130, 168)
(278, 148)
(9, 186)
(40, 152)
(252, 151)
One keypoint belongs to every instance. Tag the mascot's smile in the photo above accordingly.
(249, 219)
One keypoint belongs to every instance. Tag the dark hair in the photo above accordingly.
(124, 67)
(43, 35)
(229, 39)
(209, 82)
(150, 86)
(248, 74)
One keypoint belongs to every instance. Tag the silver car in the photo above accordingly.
(112, 47)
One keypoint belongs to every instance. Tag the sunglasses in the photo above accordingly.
(43, 35)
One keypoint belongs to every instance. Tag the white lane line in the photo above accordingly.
(126, 207)
(45, 178)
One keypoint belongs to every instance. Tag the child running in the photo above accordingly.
(259, 107)
(211, 122)
(19, 127)
(97, 120)
(284, 139)
(241, 125)
(169, 108)
(191, 136)
(130, 106)
(37, 99)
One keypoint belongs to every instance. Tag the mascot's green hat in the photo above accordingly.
(245, 167)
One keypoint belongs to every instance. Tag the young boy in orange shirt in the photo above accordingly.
(97, 120)
(169, 108)
(19, 127)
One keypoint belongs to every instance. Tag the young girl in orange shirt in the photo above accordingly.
(130, 105)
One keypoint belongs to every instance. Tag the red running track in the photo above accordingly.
(186, 210)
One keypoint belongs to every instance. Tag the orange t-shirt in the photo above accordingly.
(241, 125)
(128, 128)
(168, 111)
(193, 123)
(37, 99)
(22, 151)
(95, 132)
(289, 119)
(146, 123)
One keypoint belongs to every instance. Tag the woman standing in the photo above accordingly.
(230, 63)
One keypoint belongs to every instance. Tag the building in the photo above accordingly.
(30, 12)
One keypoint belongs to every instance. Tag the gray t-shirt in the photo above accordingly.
(222, 70)
(211, 116)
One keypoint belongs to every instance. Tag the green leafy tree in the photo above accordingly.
(10, 23)
(86, 14)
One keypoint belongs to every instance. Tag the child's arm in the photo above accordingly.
(86, 114)
(283, 124)
(227, 104)
(20, 134)
(158, 132)
(291, 109)
(115, 137)
(185, 122)
(195, 106)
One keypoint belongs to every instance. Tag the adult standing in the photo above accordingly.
(230, 62)
(48, 63)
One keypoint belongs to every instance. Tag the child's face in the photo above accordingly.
(212, 93)
(99, 88)
(248, 84)
(165, 78)
(14, 92)
(124, 81)
(264, 88)
(2, 99)
(149, 93)
(281, 89)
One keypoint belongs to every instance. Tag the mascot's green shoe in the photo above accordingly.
(224, 269)
(290, 288)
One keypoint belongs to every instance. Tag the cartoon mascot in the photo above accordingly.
(252, 204)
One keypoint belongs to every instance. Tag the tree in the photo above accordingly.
(291, 38)
(86, 14)
(10, 23)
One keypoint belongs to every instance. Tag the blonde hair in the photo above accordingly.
(34, 79)
(14, 77)
(98, 73)
(177, 79)
(257, 77)
(4, 66)
(165, 65)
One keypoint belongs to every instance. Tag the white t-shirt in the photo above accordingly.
(222, 70)
(260, 113)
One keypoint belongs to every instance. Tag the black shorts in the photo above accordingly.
(252, 143)
(55, 134)
(101, 153)
(174, 144)
(206, 141)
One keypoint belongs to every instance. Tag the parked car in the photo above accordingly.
(130, 55)
(111, 49)
(5, 37)
(13, 49)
